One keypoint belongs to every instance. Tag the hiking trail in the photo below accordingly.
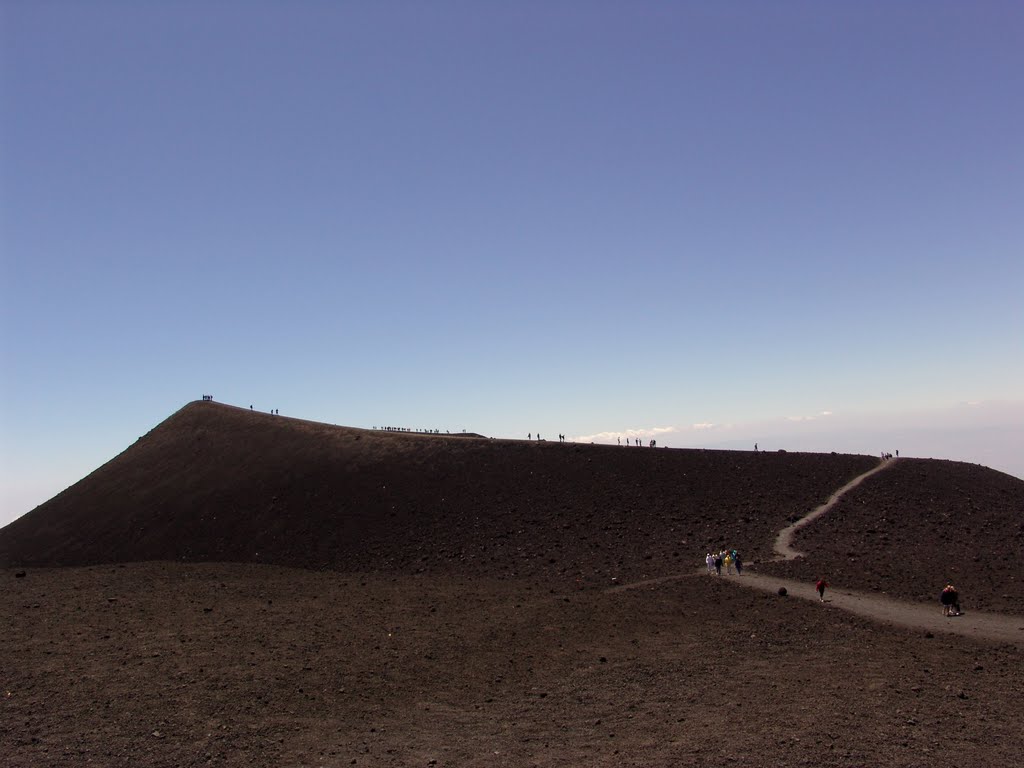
(784, 541)
(994, 627)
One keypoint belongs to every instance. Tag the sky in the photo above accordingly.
(706, 223)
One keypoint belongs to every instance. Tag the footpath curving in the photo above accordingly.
(995, 627)
(991, 627)
(784, 541)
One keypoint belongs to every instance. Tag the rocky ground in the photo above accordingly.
(468, 602)
(161, 664)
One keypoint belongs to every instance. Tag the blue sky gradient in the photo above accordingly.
(595, 219)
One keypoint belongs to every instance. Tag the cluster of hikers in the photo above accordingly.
(636, 441)
(420, 431)
(728, 559)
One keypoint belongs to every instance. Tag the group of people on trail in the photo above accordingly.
(949, 597)
(730, 558)
(727, 558)
(529, 436)
(636, 441)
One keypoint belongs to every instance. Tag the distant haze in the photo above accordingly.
(990, 434)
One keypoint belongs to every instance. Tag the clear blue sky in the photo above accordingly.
(596, 219)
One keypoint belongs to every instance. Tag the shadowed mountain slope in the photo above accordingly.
(419, 648)
(219, 483)
(918, 525)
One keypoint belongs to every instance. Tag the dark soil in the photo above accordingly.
(166, 664)
(918, 525)
(453, 608)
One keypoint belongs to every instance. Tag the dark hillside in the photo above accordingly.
(219, 483)
(922, 523)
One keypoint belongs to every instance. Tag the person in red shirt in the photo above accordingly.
(820, 586)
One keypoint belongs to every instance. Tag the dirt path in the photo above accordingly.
(993, 627)
(996, 627)
(784, 541)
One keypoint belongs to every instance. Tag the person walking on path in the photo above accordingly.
(739, 564)
(950, 600)
(820, 586)
(718, 565)
(710, 560)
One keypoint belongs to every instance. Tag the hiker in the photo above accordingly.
(739, 563)
(728, 562)
(950, 600)
(710, 560)
(820, 586)
(718, 565)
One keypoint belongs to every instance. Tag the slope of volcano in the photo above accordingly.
(456, 607)
(917, 525)
(219, 483)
